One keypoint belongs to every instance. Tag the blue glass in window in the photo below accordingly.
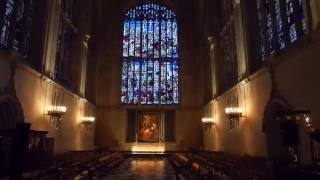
(132, 37)
(126, 35)
(144, 38)
(281, 23)
(124, 85)
(144, 82)
(150, 41)
(138, 39)
(7, 23)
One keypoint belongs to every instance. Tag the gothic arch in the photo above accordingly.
(168, 3)
(11, 112)
(272, 128)
(150, 66)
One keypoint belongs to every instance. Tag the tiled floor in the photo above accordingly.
(143, 168)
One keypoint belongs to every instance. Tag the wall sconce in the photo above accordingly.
(233, 111)
(88, 116)
(55, 114)
(56, 108)
(207, 122)
(88, 122)
(234, 114)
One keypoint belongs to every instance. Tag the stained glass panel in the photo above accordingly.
(150, 41)
(156, 44)
(136, 81)
(138, 39)
(126, 36)
(175, 40)
(163, 38)
(175, 81)
(150, 38)
(280, 31)
(144, 82)
(131, 81)
(156, 73)
(15, 25)
(7, 23)
(163, 83)
(169, 39)
(280, 23)
(124, 85)
(132, 37)
(144, 38)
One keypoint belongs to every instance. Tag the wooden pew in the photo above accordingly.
(79, 165)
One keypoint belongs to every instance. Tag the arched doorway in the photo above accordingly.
(10, 112)
(273, 128)
(10, 115)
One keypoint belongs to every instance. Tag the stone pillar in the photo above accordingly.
(51, 39)
(240, 38)
(212, 56)
(84, 60)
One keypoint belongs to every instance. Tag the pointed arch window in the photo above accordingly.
(16, 18)
(280, 25)
(22, 29)
(150, 68)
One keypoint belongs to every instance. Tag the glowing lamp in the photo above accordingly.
(88, 119)
(55, 114)
(233, 110)
(307, 119)
(234, 114)
(88, 122)
(57, 109)
(207, 122)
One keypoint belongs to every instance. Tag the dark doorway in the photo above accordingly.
(276, 131)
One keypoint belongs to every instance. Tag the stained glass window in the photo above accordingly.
(227, 43)
(22, 29)
(63, 65)
(15, 25)
(280, 24)
(150, 70)
(6, 22)
(229, 56)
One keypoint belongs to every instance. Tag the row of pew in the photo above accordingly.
(197, 164)
(216, 165)
(78, 165)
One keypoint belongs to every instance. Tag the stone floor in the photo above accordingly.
(143, 168)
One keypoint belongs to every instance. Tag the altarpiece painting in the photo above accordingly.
(149, 127)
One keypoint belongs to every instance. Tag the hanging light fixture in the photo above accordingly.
(56, 110)
(88, 119)
(88, 122)
(55, 114)
(234, 114)
(207, 121)
(233, 111)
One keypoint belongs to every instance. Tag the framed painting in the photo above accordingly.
(149, 126)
